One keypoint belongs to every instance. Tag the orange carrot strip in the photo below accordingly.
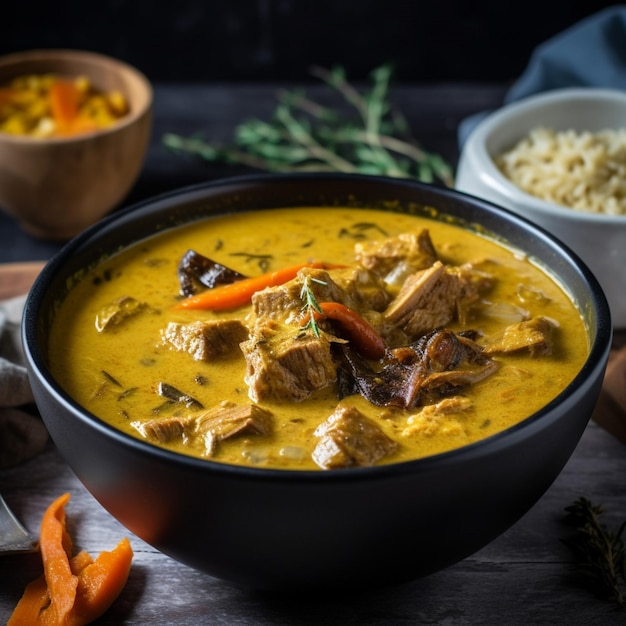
(358, 330)
(56, 548)
(64, 97)
(100, 583)
(72, 591)
(240, 293)
(59, 581)
(33, 601)
(80, 561)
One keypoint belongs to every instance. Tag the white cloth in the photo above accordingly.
(22, 435)
(14, 387)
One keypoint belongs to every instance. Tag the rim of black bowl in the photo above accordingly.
(107, 231)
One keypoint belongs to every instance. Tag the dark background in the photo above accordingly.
(278, 40)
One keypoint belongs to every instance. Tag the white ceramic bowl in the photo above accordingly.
(600, 240)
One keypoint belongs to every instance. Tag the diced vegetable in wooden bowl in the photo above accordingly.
(74, 129)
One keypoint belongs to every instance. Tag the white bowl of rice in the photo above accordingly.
(559, 159)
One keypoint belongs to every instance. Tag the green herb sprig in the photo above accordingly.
(374, 138)
(310, 305)
(601, 551)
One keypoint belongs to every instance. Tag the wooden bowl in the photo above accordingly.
(56, 187)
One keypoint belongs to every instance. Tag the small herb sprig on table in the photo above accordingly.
(601, 551)
(307, 136)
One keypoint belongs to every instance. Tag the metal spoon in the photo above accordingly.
(13, 536)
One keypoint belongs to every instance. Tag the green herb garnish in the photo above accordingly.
(311, 305)
(371, 138)
(601, 551)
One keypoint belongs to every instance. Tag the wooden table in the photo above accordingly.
(526, 576)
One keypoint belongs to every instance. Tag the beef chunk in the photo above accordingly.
(350, 439)
(427, 300)
(395, 258)
(162, 429)
(282, 362)
(284, 302)
(229, 420)
(277, 303)
(533, 335)
(205, 340)
(434, 297)
(118, 312)
(362, 287)
(205, 429)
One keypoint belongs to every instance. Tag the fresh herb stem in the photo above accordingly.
(601, 551)
(307, 136)
(310, 305)
(303, 137)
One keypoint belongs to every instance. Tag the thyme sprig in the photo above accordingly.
(304, 135)
(601, 550)
(310, 305)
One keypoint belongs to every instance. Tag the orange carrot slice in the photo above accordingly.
(101, 582)
(64, 99)
(56, 546)
(356, 329)
(240, 293)
(73, 591)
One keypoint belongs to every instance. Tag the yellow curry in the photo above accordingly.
(316, 338)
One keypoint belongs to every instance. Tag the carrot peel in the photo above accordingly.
(72, 591)
(240, 293)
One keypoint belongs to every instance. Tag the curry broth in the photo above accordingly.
(114, 374)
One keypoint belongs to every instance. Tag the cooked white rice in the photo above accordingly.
(583, 171)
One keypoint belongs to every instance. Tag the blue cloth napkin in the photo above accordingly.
(591, 53)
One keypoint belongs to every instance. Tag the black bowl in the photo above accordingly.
(276, 529)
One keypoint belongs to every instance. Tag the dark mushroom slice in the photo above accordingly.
(196, 271)
(438, 364)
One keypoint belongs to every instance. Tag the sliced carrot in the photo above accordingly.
(31, 605)
(101, 582)
(56, 546)
(64, 99)
(357, 330)
(53, 606)
(73, 591)
(79, 562)
(240, 293)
